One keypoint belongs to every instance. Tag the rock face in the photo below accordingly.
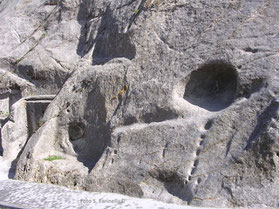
(172, 100)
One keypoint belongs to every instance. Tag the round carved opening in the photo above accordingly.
(213, 86)
(76, 130)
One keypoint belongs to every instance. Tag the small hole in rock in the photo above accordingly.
(202, 136)
(199, 180)
(208, 125)
(194, 170)
(249, 49)
(201, 143)
(76, 130)
(213, 86)
(198, 152)
(196, 162)
(115, 152)
(118, 139)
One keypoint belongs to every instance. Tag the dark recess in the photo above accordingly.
(208, 125)
(174, 184)
(76, 130)
(249, 49)
(35, 113)
(213, 86)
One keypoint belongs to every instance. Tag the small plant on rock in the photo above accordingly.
(53, 157)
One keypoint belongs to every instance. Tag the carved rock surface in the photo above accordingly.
(172, 100)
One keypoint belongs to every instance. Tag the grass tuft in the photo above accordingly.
(52, 158)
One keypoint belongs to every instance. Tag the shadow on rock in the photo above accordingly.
(109, 43)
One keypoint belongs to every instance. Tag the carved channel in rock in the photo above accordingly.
(213, 86)
(193, 179)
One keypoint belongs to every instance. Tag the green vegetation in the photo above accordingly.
(53, 157)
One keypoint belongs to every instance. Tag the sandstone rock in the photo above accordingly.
(171, 100)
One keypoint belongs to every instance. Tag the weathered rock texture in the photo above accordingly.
(173, 100)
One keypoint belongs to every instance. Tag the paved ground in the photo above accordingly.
(26, 195)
